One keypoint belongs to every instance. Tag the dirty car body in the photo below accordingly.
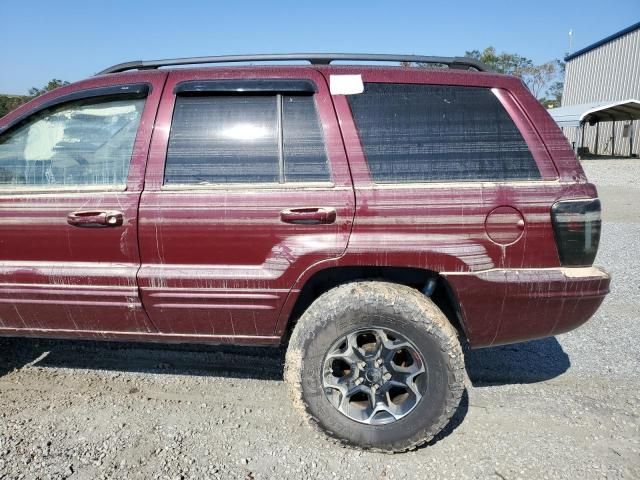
(222, 202)
(211, 263)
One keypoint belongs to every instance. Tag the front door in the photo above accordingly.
(71, 173)
(247, 187)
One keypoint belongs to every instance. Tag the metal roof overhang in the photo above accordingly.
(592, 113)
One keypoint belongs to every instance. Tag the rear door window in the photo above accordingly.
(431, 133)
(305, 158)
(221, 139)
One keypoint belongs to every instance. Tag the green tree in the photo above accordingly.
(539, 77)
(11, 102)
(545, 81)
(52, 85)
(557, 87)
(507, 63)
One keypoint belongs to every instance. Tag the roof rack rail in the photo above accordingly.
(460, 63)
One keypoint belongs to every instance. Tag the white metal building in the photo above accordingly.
(602, 91)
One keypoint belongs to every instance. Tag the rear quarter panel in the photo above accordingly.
(442, 226)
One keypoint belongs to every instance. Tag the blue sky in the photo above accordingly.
(71, 40)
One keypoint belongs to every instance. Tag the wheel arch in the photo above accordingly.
(429, 282)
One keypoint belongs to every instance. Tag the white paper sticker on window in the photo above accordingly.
(345, 84)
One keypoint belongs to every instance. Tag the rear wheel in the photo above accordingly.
(375, 365)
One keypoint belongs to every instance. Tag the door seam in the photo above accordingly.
(144, 183)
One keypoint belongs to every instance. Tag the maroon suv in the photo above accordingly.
(369, 217)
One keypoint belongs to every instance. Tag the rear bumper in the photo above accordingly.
(501, 306)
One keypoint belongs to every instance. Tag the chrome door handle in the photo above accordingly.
(93, 219)
(308, 215)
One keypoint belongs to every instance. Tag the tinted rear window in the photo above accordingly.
(426, 133)
(245, 139)
(305, 158)
(220, 139)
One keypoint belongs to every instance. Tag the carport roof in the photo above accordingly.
(575, 115)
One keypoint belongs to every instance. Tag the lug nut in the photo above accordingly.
(358, 381)
(387, 376)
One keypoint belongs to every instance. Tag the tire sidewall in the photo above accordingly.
(404, 316)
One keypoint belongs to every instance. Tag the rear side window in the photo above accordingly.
(82, 143)
(220, 139)
(429, 133)
(305, 159)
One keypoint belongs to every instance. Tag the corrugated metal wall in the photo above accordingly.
(609, 72)
(623, 146)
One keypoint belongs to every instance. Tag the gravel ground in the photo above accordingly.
(565, 407)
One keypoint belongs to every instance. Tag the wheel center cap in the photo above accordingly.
(374, 375)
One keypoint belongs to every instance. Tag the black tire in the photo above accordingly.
(355, 307)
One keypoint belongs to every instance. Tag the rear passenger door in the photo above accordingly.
(247, 186)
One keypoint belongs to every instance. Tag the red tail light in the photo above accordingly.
(576, 224)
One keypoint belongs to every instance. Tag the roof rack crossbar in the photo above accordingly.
(461, 63)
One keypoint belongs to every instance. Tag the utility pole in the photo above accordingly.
(570, 40)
